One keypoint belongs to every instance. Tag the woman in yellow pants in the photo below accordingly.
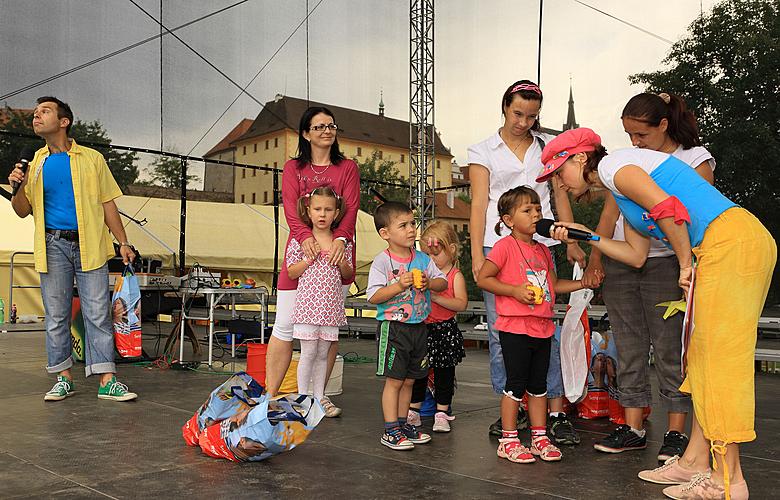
(734, 255)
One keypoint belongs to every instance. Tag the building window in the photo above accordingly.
(379, 154)
(276, 142)
(242, 198)
(244, 150)
(438, 184)
(274, 164)
(402, 158)
(359, 151)
(265, 196)
(243, 173)
(254, 200)
(438, 163)
(266, 144)
(265, 172)
(254, 172)
(254, 146)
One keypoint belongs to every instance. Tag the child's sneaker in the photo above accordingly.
(413, 435)
(413, 418)
(61, 390)
(441, 422)
(547, 451)
(514, 451)
(115, 391)
(621, 439)
(396, 440)
(331, 410)
(561, 430)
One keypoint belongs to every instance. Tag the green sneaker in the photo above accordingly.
(115, 391)
(61, 390)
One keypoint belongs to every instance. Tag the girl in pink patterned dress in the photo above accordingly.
(319, 304)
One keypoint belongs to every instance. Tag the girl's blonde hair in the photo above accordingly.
(446, 235)
(327, 191)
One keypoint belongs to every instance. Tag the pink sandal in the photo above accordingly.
(545, 449)
(514, 451)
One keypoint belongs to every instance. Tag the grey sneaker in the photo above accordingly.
(61, 390)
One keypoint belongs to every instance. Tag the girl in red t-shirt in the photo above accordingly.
(520, 273)
(445, 340)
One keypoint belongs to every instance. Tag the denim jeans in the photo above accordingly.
(63, 260)
(497, 369)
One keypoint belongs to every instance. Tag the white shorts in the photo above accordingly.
(285, 306)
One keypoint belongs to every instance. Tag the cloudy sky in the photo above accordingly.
(356, 49)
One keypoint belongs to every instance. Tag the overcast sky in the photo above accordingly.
(356, 49)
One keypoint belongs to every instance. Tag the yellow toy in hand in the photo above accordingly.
(538, 293)
(417, 277)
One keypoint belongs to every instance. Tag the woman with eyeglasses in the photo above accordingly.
(509, 158)
(319, 163)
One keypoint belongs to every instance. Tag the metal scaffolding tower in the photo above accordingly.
(421, 128)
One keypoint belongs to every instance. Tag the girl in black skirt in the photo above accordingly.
(445, 341)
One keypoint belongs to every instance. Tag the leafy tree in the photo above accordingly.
(375, 169)
(166, 172)
(728, 70)
(122, 165)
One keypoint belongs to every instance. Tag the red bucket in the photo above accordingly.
(255, 361)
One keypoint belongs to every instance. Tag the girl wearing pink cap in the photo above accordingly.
(507, 159)
(722, 249)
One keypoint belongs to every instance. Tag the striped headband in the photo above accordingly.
(532, 87)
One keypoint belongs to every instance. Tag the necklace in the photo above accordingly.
(522, 141)
(311, 165)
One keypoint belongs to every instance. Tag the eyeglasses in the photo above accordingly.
(321, 127)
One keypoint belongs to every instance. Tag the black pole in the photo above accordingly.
(276, 232)
(183, 219)
(539, 53)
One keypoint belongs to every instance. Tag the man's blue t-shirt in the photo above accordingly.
(59, 204)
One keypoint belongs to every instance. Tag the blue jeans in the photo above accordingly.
(497, 370)
(63, 260)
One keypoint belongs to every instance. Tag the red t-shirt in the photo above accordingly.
(344, 178)
(440, 313)
(519, 263)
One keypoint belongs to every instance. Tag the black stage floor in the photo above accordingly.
(83, 447)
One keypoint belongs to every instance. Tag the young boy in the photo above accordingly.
(403, 303)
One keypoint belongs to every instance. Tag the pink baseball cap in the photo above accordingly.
(558, 150)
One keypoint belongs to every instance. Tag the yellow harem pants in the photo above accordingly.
(734, 268)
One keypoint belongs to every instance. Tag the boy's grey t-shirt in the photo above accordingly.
(412, 305)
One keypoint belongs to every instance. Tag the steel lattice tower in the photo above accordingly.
(421, 128)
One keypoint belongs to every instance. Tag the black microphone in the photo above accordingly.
(25, 157)
(544, 225)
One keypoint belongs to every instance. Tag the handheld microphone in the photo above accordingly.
(25, 157)
(544, 225)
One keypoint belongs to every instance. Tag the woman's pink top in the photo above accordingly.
(344, 178)
(440, 313)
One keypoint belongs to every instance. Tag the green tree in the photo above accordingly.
(375, 169)
(166, 172)
(728, 70)
(122, 165)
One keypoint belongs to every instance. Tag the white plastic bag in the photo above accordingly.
(574, 356)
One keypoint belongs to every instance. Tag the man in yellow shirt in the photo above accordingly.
(70, 193)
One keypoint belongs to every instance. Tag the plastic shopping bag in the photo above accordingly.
(273, 426)
(126, 314)
(575, 333)
(238, 393)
